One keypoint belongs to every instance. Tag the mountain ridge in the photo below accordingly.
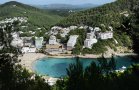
(99, 15)
(35, 16)
(67, 6)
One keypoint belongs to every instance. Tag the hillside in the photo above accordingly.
(35, 16)
(121, 15)
(108, 14)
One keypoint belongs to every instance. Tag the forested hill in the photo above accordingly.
(108, 14)
(35, 16)
(122, 15)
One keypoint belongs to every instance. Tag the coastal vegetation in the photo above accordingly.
(111, 14)
(39, 22)
(99, 77)
(95, 77)
(12, 75)
(122, 15)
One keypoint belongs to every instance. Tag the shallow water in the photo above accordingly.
(56, 67)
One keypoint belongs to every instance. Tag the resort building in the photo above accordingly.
(73, 27)
(111, 29)
(86, 27)
(90, 35)
(64, 32)
(17, 41)
(11, 20)
(97, 29)
(53, 49)
(25, 49)
(91, 28)
(28, 50)
(71, 42)
(27, 41)
(105, 35)
(52, 40)
(56, 28)
(88, 43)
(81, 27)
(38, 42)
(15, 35)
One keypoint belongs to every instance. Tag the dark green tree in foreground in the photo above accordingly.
(100, 77)
(12, 75)
(75, 74)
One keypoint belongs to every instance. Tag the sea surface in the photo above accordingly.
(56, 67)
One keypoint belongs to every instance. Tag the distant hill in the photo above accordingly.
(36, 16)
(66, 6)
(65, 9)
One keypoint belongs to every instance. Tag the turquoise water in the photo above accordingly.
(56, 67)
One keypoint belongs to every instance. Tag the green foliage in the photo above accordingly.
(62, 12)
(64, 39)
(46, 38)
(75, 74)
(60, 84)
(112, 63)
(35, 16)
(133, 28)
(98, 48)
(100, 77)
(58, 36)
(77, 50)
(26, 34)
(112, 14)
(108, 14)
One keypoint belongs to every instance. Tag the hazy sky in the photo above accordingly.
(44, 2)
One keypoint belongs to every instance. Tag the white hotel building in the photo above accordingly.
(17, 41)
(105, 35)
(90, 40)
(52, 40)
(88, 43)
(38, 42)
(71, 42)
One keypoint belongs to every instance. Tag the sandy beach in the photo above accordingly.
(28, 58)
(27, 61)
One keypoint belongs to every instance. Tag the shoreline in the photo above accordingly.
(28, 59)
(126, 54)
(93, 56)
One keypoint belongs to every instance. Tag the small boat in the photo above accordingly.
(123, 67)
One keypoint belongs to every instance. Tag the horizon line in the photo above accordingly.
(54, 3)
